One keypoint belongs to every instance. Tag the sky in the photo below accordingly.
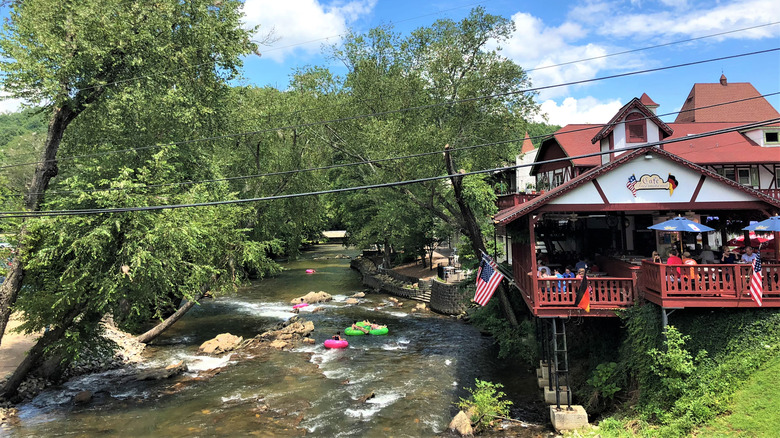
(549, 33)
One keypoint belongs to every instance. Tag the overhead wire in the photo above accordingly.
(23, 214)
(380, 160)
(399, 110)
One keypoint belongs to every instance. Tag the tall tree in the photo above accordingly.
(71, 56)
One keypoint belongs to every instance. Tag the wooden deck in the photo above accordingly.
(693, 286)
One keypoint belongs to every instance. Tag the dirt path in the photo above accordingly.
(417, 270)
(14, 347)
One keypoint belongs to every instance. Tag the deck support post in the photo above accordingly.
(665, 317)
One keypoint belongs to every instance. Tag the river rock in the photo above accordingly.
(359, 295)
(351, 301)
(279, 344)
(366, 397)
(82, 397)
(462, 424)
(420, 306)
(313, 297)
(169, 371)
(222, 343)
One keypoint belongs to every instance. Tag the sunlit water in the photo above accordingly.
(416, 372)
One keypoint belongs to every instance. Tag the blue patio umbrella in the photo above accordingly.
(771, 224)
(681, 224)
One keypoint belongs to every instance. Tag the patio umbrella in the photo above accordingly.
(755, 241)
(681, 224)
(771, 224)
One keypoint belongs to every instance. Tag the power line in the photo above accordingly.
(652, 47)
(22, 214)
(401, 110)
(376, 161)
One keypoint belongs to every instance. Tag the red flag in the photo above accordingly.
(756, 285)
(488, 279)
(583, 294)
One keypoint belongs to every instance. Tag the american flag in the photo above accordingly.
(488, 279)
(756, 287)
(631, 184)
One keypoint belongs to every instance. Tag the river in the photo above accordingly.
(416, 372)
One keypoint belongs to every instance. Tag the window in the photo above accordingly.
(636, 128)
(772, 137)
(557, 179)
(743, 176)
(729, 173)
(777, 177)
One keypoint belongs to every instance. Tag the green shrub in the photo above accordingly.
(605, 379)
(486, 403)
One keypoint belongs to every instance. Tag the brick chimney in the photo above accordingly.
(723, 80)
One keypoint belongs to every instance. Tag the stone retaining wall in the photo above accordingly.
(447, 298)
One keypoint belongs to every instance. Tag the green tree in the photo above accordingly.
(71, 56)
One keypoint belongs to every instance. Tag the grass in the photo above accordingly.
(755, 408)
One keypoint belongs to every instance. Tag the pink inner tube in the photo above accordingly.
(310, 271)
(332, 343)
(298, 306)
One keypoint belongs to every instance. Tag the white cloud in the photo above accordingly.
(697, 20)
(585, 110)
(302, 26)
(537, 47)
(8, 105)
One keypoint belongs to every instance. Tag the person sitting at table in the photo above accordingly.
(707, 257)
(561, 284)
(580, 273)
(728, 257)
(674, 259)
(543, 271)
(748, 256)
(581, 264)
(656, 257)
(687, 260)
(568, 272)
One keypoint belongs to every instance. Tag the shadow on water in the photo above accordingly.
(415, 373)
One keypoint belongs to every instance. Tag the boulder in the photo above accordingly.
(313, 297)
(221, 344)
(366, 397)
(462, 424)
(420, 306)
(279, 344)
(359, 295)
(169, 371)
(351, 301)
(82, 397)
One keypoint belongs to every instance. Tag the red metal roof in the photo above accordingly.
(574, 140)
(510, 214)
(731, 147)
(645, 99)
(706, 95)
(528, 146)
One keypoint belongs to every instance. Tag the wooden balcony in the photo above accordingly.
(774, 193)
(681, 286)
(512, 199)
(692, 286)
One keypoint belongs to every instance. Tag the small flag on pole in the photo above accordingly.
(488, 279)
(583, 294)
(756, 286)
(631, 184)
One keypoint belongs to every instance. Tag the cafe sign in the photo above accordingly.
(652, 182)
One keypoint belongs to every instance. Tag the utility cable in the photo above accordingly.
(402, 110)
(375, 161)
(22, 214)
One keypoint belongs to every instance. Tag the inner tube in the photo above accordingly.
(363, 324)
(379, 331)
(332, 343)
(310, 271)
(298, 306)
(349, 331)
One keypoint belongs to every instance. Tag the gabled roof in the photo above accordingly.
(510, 214)
(633, 104)
(727, 148)
(528, 146)
(574, 140)
(705, 103)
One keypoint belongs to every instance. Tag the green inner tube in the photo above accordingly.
(349, 331)
(379, 331)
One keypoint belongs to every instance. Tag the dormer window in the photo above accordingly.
(636, 128)
(771, 138)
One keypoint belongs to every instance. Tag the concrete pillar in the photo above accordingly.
(568, 419)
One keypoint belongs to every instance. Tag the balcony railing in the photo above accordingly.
(510, 200)
(775, 193)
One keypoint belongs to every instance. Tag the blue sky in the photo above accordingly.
(553, 32)
(549, 32)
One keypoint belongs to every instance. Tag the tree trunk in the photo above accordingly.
(474, 233)
(44, 172)
(35, 354)
(169, 321)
